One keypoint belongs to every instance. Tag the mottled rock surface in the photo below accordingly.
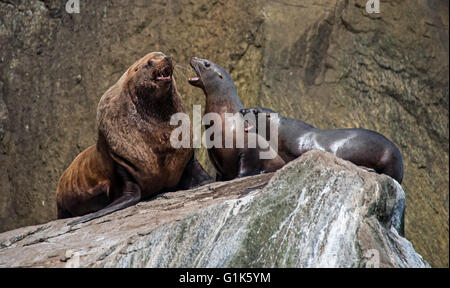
(318, 211)
(326, 62)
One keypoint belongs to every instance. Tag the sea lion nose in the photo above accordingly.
(168, 59)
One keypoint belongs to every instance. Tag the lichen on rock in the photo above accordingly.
(318, 211)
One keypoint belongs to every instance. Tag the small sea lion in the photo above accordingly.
(360, 146)
(221, 97)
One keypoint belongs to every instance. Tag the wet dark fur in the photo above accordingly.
(362, 147)
(221, 98)
(133, 158)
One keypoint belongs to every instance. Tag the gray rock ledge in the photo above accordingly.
(318, 211)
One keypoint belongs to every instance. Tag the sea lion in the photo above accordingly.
(221, 97)
(360, 146)
(133, 158)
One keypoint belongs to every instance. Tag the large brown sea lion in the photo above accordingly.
(360, 146)
(133, 158)
(221, 98)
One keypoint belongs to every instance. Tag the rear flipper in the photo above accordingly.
(193, 176)
(131, 195)
(392, 163)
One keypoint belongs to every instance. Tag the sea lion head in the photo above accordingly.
(210, 76)
(151, 76)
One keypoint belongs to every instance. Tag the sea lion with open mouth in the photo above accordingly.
(133, 158)
(221, 98)
(362, 147)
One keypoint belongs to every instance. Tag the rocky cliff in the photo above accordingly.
(326, 62)
(318, 211)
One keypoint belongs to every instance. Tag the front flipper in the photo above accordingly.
(131, 195)
(193, 176)
(248, 164)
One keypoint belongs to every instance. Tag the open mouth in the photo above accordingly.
(165, 74)
(195, 81)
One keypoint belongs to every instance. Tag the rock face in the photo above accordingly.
(318, 211)
(326, 62)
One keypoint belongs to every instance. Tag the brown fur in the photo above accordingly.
(134, 131)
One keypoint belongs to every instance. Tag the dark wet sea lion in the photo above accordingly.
(221, 98)
(133, 158)
(362, 147)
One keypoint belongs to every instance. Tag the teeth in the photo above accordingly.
(164, 74)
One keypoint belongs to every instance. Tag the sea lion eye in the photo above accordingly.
(150, 63)
(207, 64)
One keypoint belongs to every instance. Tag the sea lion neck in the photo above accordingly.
(159, 108)
(288, 126)
(224, 100)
